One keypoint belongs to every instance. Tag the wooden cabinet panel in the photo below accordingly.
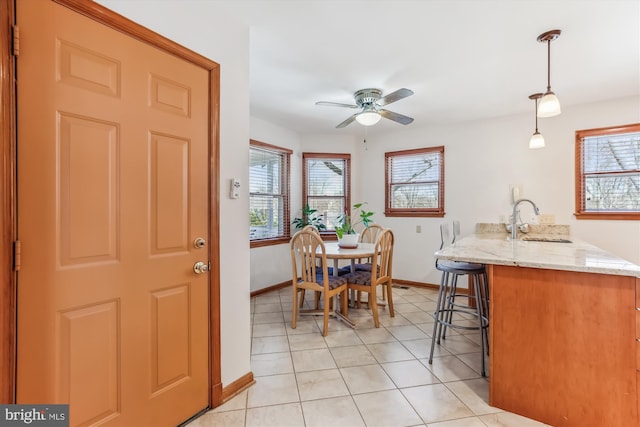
(562, 346)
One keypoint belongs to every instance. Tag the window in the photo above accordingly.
(608, 173)
(268, 194)
(326, 185)
(414, 182)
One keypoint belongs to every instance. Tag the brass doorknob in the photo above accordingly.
(200, 267)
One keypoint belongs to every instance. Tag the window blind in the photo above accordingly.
(268, 198)
(326, 181)
(611, 172)
(415, 180)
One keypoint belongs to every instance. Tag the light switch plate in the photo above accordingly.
(234, 188)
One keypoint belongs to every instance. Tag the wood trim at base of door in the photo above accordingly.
(237, 387)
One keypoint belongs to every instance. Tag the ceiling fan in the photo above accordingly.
(370, 101)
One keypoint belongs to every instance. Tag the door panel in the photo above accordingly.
(113, 189)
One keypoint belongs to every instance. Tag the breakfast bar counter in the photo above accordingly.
(564, 328)
(557, 252)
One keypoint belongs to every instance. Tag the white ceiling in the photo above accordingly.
(465, 60)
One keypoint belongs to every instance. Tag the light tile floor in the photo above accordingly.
(360, 377)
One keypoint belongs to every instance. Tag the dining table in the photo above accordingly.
(335, 252)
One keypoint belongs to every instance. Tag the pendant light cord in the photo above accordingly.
(548, 66)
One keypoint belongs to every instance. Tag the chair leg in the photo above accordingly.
(344, 302)
(485, 301)
(450, 300)
(374, 306)
(327, 303)
(387, 288)
(294, 316)
(301, 297)
(481, 328)
(438, 313)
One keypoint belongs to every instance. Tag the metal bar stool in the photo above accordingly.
(447, 306)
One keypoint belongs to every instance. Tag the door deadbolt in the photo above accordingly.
(199, 243)
(200, 267)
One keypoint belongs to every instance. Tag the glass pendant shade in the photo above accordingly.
(368, 118)
(549, 105)
(537, 140)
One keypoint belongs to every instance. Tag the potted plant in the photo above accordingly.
(347, 235)
(309, 217)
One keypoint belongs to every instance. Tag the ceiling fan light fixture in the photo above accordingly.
(368, 118)
(370, 100)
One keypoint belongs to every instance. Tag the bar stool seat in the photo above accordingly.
(449, 303)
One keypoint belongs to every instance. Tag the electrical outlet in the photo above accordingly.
(418, 229)
(546, 219)
(502, 219)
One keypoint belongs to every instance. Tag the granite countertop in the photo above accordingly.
(498, 248)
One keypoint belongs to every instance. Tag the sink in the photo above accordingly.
(545, 239)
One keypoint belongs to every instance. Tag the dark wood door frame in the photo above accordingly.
(8, 140)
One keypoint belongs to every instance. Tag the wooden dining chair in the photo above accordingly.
(309, 272)
(368, 235)
(301, 291)
(381, 275)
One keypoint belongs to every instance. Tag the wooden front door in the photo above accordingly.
(113, 173)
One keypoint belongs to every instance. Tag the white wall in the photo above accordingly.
(231, 51)
(482, 159)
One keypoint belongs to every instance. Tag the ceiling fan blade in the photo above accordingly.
(335, 104)
(348, 121)
(394, 96)
(405, 120)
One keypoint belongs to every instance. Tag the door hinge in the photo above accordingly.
(17, 252)
(16, 40)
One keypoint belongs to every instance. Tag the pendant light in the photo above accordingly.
(549, 104)
(537, 140)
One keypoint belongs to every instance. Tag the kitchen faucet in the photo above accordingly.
(514, 231)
